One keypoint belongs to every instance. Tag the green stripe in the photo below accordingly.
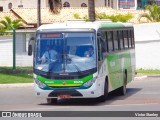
(75, 82)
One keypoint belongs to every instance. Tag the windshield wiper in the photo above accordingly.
(65, 62)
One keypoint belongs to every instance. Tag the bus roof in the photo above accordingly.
(85, 25)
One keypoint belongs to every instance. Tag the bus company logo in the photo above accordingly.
(6, 114)
(64, 83)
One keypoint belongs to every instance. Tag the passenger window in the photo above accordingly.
(115, 38)
(125, 35)
(102, 37)
(132, 35)
(121, 40)
(100, 49)
(110, 40)
(129, 38)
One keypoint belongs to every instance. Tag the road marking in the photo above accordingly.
(133, 104)
(58, 107)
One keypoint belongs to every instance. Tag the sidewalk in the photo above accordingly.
(17, 85)
(24, 85)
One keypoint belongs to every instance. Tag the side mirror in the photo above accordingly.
(29, 50)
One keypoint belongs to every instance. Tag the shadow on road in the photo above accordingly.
(112, 97)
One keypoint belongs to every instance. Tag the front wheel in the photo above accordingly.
(51, 101)
(104, 97)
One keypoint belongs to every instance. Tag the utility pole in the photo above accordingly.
(38, 13)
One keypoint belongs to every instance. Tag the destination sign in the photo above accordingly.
(51, 35)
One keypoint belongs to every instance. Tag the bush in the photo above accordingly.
(114, 18)
(153, 15)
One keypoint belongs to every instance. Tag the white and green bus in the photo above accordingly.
(73, 74)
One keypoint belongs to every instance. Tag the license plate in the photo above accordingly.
(64, 96)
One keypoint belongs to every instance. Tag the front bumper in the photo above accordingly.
(92, 92)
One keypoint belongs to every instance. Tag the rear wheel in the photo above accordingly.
(122, 90)
(51, 100)
(104, 97)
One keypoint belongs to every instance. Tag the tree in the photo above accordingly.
(154, 13)
(7, 23)
(56, 5)
(91, 10)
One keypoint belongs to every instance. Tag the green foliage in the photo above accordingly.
(1, 28)
(153, 15)
(147, 72)
(114, 18)
(77, 16)
(7, 23)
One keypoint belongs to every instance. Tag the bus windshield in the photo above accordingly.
(65, 52)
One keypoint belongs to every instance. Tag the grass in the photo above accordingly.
(147, 72)
(17, 68)
(20, 75)
(25, 74)
(15, 78)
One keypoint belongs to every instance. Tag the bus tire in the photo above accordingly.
(51, 101)
(104, 97)
(122, 90)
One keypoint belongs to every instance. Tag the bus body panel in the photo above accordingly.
(117, 64)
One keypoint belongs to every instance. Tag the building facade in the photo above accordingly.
(115, 4)
(6, 5)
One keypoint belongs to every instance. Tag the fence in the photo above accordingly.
(21, 49)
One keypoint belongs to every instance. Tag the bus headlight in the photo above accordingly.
(90, 82)
(39, 83)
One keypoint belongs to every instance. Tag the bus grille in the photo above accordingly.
(64, 78)
(63, 87)
(56, 93)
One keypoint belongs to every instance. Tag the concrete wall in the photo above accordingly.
(6, 49)
(148, 55)
(147, 37)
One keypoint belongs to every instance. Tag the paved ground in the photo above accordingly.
(142, 95)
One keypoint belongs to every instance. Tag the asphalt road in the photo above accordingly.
(142, 95)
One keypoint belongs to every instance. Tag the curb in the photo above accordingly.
(140, 77)
(17, 85)
(153, 75)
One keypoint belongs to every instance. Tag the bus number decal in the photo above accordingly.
(77, 82)
(112, 64)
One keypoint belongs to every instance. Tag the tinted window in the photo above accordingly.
(129, 38)
(1, 8)
(132, 34)
(121, 40)
(125, 34)
(110, 42)
(115, 38)
(102, 36)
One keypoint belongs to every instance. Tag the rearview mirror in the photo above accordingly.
(29, 50)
